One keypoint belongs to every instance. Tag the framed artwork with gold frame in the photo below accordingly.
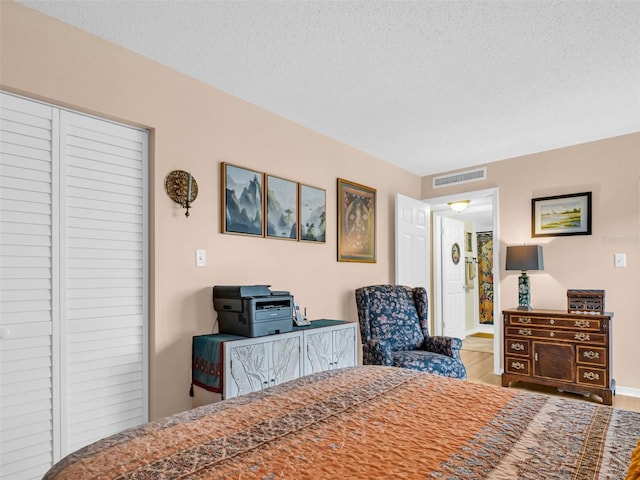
(242, 200)
(281, 208)
(356, 222)
(312, 213)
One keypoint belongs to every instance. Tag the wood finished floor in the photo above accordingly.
(480, 370)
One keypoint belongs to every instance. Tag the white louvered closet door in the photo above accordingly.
(28, 305)
(73, 297)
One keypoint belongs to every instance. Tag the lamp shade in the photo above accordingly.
(525, 257)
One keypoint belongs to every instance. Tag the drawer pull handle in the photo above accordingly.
(591, 376)
(590, 354)
(525, 331)
(517, 346)
(518, 365)
(582, 323)
(552, 322)
(582, 336)
(551, 334)
(524, 320)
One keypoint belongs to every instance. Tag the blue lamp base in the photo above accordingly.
(524, 293)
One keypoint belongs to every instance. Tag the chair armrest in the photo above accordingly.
(377, 352)
(449, 346)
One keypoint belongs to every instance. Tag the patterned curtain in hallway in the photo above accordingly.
(485, 276)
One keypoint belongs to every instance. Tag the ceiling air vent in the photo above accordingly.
(460, 177)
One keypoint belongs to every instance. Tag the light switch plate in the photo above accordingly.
(620, 259)
(201, 258)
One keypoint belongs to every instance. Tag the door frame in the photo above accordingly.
(435, 204)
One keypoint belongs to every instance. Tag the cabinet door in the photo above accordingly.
(259, 363)
(319, 352)
(285, 360)
(249, 369)
(329, 348)
(555, 361)
(344, 347)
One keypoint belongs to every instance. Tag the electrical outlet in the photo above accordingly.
(201, 258)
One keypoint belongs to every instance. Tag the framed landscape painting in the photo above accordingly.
(356, 222)
(282, 208)
(561, 215)
(242, 204)
(313, 214)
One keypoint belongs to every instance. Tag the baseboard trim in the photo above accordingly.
(628, 392)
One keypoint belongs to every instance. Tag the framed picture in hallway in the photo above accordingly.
(468, 242)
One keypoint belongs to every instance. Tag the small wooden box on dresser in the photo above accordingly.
(570, 351)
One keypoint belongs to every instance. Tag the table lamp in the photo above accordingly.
(523, 258)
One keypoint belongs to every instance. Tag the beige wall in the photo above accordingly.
(195, 127)
(611, 170)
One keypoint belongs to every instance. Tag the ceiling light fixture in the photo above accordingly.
(459, 205)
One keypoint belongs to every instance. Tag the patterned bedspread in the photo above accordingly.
(371, 422)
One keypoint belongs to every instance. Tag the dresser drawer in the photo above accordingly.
(518, 365)
(596, 377)
(583, 324)
(591, 355)
(579, 337)
(517, 347)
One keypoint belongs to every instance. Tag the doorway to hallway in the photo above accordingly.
(480, 302)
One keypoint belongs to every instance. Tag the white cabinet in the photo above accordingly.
(252, 364)
(329, 347)
(257, 363)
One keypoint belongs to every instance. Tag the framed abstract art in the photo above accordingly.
(356, 222)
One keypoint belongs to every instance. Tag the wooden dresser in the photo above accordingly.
(570, 351)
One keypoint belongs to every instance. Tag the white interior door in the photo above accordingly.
(413, 242)
(453, 292)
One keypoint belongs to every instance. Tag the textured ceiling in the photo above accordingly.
(429, 86)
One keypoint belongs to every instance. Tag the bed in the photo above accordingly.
(371, 422)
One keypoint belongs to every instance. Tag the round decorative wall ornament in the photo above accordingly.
(455, 253)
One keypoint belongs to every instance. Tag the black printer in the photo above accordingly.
(252, 310)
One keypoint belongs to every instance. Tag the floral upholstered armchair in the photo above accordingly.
(395, 332)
